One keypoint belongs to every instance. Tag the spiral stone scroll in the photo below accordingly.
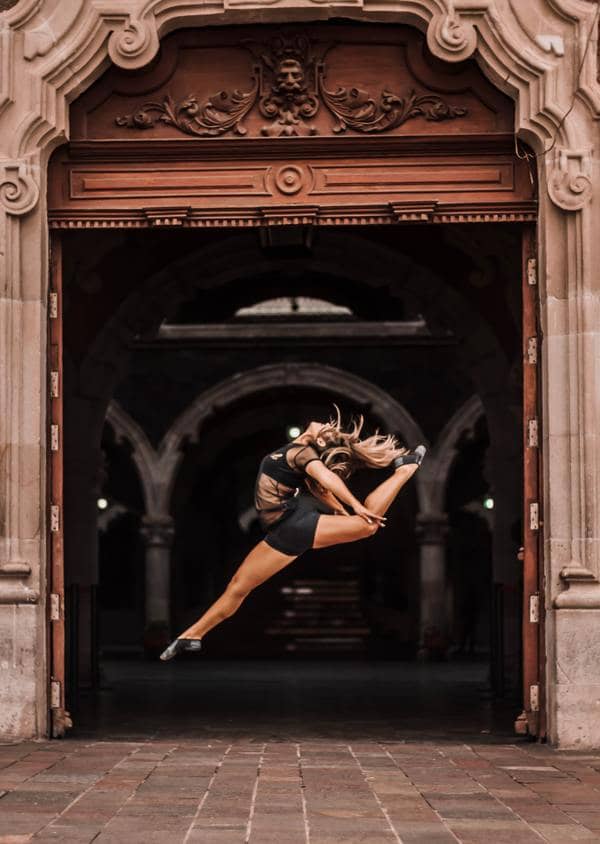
(450, 37)
(570, 184)
(134, 43)
(19, 191)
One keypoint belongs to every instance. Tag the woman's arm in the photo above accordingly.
(332, 482)
(326, 496)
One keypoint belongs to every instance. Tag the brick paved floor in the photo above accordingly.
(323, 792)
(295, 754)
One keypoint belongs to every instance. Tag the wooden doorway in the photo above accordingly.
(321, 126)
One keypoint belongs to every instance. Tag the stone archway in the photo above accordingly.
(369, 264)
(158, 467)
(556, 110)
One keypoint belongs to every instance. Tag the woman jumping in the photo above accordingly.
(300, 496)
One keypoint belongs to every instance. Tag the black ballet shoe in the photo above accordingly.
(411, 457)
(178, 646)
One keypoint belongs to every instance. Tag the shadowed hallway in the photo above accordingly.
(280, 700)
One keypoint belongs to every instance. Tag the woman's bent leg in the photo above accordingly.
(334, 530)
(260, 564)
(380, 499)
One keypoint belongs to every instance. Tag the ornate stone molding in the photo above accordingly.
(582, 589)
(130, 32)
(569, 182)
(19, 190)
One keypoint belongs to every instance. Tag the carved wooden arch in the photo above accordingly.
(320, 124)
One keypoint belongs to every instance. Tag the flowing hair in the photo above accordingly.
(344, 451)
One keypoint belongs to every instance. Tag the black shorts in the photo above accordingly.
(294, 533)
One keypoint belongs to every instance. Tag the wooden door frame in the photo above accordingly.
(532, 720)
(59, 718)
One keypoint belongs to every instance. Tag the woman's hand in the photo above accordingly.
(368, 515)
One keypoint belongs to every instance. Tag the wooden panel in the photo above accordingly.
(315, 80)
(377, 186)
(123, 183)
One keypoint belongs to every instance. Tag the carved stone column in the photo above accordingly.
(431, 532)
(157, 532)
(570, 307)
(23, 712)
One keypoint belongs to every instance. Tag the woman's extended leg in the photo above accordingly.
(260, 564)
(333, 530)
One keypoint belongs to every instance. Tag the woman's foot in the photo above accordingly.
(178, 646)
(411, 457)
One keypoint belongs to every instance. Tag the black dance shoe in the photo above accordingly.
(178, 646)
(415, 456)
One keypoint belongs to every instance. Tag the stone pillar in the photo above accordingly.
(431, 532)
(157, 533)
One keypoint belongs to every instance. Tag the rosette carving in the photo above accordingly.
(19, 191)
(570, 184)
(135, 43)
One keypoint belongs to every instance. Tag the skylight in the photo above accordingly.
(293, 306)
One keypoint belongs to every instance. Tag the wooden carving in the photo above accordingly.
(223, 112)
(355, 109)
(292, 98)
(288, 88)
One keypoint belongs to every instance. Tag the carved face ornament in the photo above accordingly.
(289, 79)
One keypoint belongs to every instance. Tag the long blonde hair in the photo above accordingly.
(344, 452)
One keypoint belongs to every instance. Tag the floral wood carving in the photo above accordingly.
(288, 87)
(223, 112)
(355, 109)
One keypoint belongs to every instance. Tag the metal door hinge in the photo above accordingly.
(54, 382)
(534, 697)
(534, 516)
(532, 350)
(54, 694)
(54, 607)
(532, 433)
(531, 271)
(534, 608)
(53, 305)
(54, 518)
(54, 437)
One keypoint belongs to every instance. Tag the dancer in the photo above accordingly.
(301, 500)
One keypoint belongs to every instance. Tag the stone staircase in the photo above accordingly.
(322, 616)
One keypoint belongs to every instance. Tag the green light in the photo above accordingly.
(488, 503)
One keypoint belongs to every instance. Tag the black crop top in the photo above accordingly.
(280, 477)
